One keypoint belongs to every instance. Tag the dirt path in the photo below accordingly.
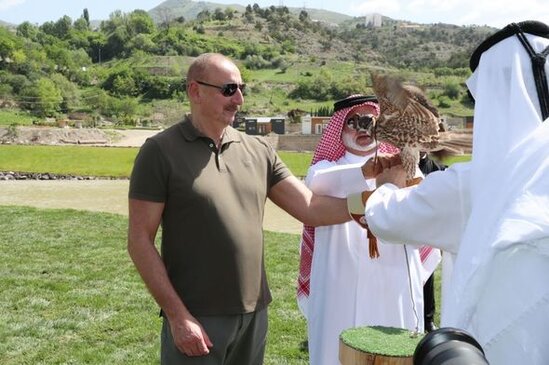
(76, 136)
(132, 137)
(105, 196)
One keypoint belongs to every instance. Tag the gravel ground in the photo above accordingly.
(132, 138)
(105, 196)
(75, 136)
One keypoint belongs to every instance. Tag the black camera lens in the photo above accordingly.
(449, 346)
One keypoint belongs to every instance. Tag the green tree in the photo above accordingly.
(115, 46)
(8, 45)
(97, 41)
(6, 91)
(204, 15)
(125, 110)
(142, 42)
(86, 16)
(69, 93)
(62, 27)
(27, 30)
(219, 14)
(49, 96)
(15, 81)
(124, 85)
(229, 13)
(18, 58)
(32, 61)
(126, 81)
(43, 98)
(96, 99)
(140, 22)
(81, 25)
(116, 19)
(452, 89)
(444, 101)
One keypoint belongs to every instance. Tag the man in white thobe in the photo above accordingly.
(492, 214)
(348, 288)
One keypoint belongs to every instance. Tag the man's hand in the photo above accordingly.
(190, 338)
(372, 167)
(394, 175)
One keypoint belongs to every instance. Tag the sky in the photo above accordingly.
(495, 13)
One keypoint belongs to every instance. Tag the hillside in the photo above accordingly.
(327, 35)
(398, 43)
(172, 9)
(129, 69)
(317, 51)
(6, 24)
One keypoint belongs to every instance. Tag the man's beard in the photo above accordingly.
(350, 143)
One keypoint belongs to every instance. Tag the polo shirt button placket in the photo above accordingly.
(218, 158)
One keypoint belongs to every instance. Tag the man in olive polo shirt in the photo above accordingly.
(207, 183)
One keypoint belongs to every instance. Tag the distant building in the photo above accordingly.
(456, 123)
(278, 125)
(313, 125)
(373, 20)
(263, 125)
(469, 122)
(452, 123)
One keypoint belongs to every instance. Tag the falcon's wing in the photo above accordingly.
(418, 95)
(407, 117)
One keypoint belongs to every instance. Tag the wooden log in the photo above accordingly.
(377, 345)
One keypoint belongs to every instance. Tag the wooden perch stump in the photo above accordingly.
(377, 345)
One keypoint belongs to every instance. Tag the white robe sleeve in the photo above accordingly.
(433, 212)
(328, 178)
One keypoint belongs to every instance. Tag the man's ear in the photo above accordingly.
(193, 91)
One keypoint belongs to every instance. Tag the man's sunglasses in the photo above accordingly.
(226, 89)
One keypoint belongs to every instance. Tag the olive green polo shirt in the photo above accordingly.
(212, 237)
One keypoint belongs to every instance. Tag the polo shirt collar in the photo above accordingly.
(190, 133)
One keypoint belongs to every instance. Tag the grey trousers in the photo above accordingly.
(237, 340)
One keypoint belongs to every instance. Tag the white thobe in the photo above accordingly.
(348, 288)
(498, 290)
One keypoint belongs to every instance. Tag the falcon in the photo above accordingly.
(407, 120)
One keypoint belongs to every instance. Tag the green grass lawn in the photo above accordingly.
(98, 161)
(14, 116)
(108, 161)
(297, 162)
(70, 160)
(70, 294)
